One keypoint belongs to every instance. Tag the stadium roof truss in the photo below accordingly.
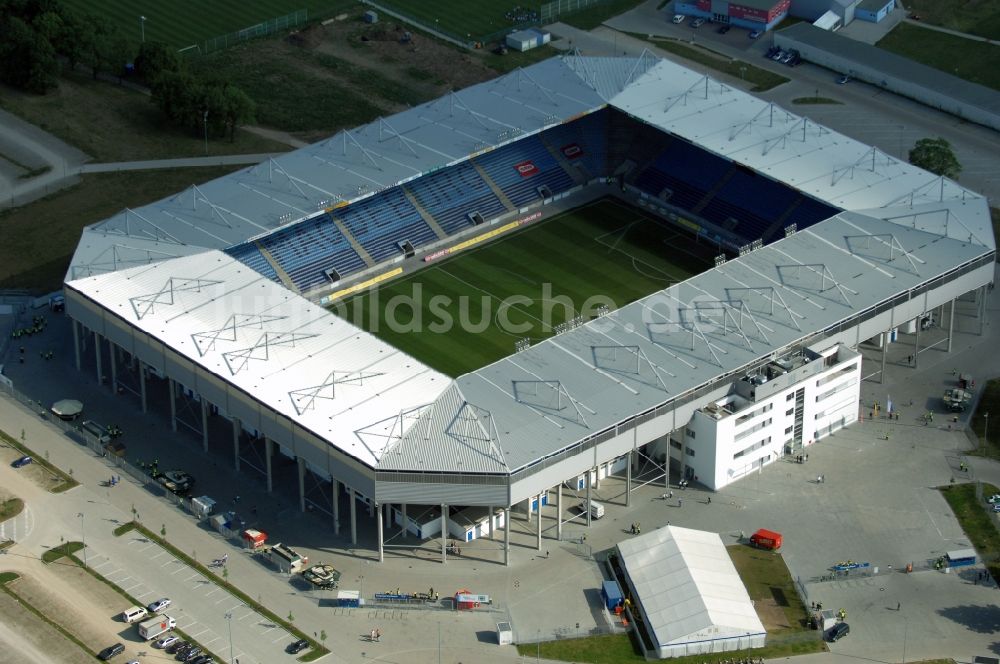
(902, 227)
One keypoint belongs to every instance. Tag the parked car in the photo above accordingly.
(698, 22)
(678, 18)
(166, 641)
(158, 605)
(297, 647)
(786, 58)
(191, 654)
(843, 79)
(175, 481)
(839, 631)
(175, 646)
(796, 59)
(111, 651)
(771, 51)
(995, 498)
(755, 34)
(201, 659)
(723, 29)
(22, 462)
(777, 55)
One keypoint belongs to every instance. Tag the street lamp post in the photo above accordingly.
(142, 28)
(986, 429)
(205, 118)
(229, 623)
(906, 625)
(83, 536)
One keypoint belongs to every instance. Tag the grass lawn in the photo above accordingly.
(113, 123)
(463, 19)
(978, 18)
(762, 79)
(524, 284)
(978, 522)
(181, 23)
(63, 550)
(974, 61)
(40, 237)
(815, 100)
(10, 507)
(591, 17)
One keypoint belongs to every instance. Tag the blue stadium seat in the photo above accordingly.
(590, 134)
(809, 212)
(380, 221)
(452, 193)
(500, 165)
(250, 255)
(306, 250)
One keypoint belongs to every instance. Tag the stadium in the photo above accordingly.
(662, 270)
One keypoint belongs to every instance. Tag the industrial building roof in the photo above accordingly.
(895, 66)
(905, 227)
(688, 587)
(762, 5)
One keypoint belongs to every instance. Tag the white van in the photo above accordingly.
(134, 614)
(596, 510)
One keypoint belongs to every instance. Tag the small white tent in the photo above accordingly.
(688, 593)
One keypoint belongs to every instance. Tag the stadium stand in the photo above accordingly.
(380, 221)
(450, 194)
(808, 212)
(584, 142)
(307, 249)
(521, 186)
(248, 254)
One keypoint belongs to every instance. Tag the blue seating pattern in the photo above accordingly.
(307, 249)
(380, 221)
(500, 166)
(590, 133)
(809, 212)
(452, 193)
(248, 254)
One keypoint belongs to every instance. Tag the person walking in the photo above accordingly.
(897, 606)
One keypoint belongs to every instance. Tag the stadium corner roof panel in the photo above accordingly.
(296, 358)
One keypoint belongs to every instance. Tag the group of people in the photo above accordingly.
(37, 327)
(636, 528)
(375, 634)
(115, 479)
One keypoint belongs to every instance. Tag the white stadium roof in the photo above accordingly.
(905, 227)
(688, 587)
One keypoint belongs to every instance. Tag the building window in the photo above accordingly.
(689, 452)
(689, 433)
(790, 396)
(790, 412)
(674, 444)
(788, 430)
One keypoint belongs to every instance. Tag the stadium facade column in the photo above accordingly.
(172, 387)
(114, 368)
(916, 342)
(951, 323)
(506, 536)
(302, 483)
(97, 355)
(142, 384)
(381, 547)
(587, 506)
(268, 453)
(628, 475)
(492, 517)
(982, 308)
(388, 515)
(559, 511)
(444, 533)
(237, 428)
(354, 516)
(204, 424)
(538, 531)
(336, 504)
(597, 476)
(402, 525)
(76, 343)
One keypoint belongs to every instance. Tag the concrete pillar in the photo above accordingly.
(381, 549)
(204, 424)
(982, 308)
(444, 533)
(951, 324)
(628, 478)
(388, 515)
(492, 522)
(597, 476)
(530, 512)
(506, 536)
(336, 506)
(302, 484)
(885, 348)
(268, 453)
(916, 343)
(559, 511)
(76, 343)
(586, 505)
(97, 355)
(237, 428)
(538, 535)
(172, 387)
(114, 367)
(354, 516)
(142, 385)
(402, 526)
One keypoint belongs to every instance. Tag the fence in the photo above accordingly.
(268, 27)
(551, 11)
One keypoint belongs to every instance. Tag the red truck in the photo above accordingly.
(766, 539)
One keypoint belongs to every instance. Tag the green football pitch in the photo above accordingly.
(465, 312)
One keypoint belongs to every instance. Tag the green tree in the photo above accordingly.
(179, 96)
(27, 60)
(48, 25)
(74, 40)
(99, 46)
(154, 58)
(238, 109)
(935, 155)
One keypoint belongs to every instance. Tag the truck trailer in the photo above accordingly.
(154, 627)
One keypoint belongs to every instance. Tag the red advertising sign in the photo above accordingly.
(572, 151)
(526, 169)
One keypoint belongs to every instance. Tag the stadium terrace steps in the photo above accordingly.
(435, 226)
(354, 242)
(713, 191)
(574, 172)
(449, 195)
(381, 221)
(253, 256)
(779, 223)
(279, 272)
(507, 167)
(307, 250)
(493, 186)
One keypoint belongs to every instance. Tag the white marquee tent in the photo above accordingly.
(688, 593)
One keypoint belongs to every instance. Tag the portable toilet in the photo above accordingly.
(505, 635)
(349, 598)
(961, 557)
(371, 16)
(611, 593)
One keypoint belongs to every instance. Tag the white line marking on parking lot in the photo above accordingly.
(214, 590)
(222, 600)
(193, 576)
(280, 638)
(177, 571)
(247, 616)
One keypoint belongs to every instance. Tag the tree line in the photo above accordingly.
(38, 36)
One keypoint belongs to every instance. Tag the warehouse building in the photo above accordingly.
(750, 14)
